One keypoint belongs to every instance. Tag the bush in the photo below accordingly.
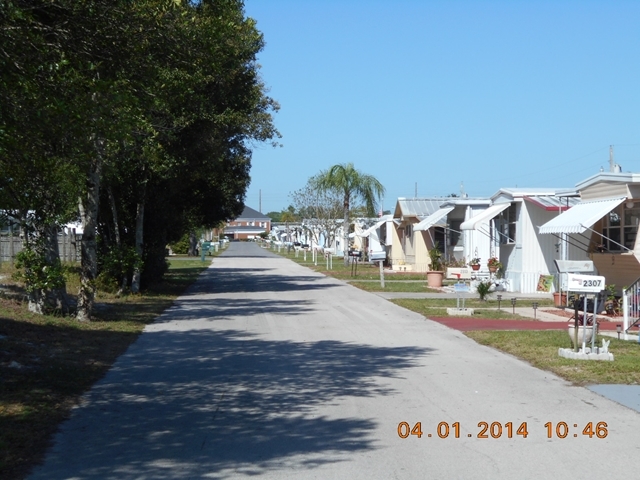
(181, 247)
(483, 288)
(37, 273)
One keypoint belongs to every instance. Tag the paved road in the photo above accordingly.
(265, 369)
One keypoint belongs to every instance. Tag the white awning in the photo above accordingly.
(433, 219)
(582, 216)
(370, 230)
(484, 217)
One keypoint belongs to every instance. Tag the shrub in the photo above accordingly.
(483, 288)
(181, 247)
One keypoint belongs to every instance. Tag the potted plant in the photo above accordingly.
(435, 273)
(494, 264)
(611, 304)
(560, 299)
(474, 263)
(588, 331)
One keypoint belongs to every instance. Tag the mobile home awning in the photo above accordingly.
(433, 219)
(484, 217)
(581, 216)
(370, 230)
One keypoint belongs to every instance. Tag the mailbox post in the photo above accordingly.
(379, 257)
(585, 284)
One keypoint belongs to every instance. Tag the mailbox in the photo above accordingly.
(462, 273)
(377, 256)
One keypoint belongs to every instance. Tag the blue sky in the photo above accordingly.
(487, 93)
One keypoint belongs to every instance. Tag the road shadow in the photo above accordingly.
(216, 404)
(190, 308)
(236, 280)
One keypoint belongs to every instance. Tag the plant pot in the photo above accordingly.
(559, 300)
(493, 269)
(475, 267)
(434, 278)
(589, 334)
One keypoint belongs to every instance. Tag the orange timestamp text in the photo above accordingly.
(507, 430)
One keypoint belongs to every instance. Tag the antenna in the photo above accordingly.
(611, 164)
(415, 195)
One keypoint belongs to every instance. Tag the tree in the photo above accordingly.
(136, 116)
(274, 216)
(352, 185)
(41, 140)
(320, 210)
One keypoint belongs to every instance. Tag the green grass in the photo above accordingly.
(364, 271)
(394, 286)
(422, 305)
(47, 362)
(540, 349)
(437, 307)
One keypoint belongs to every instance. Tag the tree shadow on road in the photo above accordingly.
(237, 280)
(221, 403)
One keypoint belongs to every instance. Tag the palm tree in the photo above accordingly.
(352, 184)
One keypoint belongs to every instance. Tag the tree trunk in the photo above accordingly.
(88, 250)
(135, 281)
(43, 301)
(193, 244)
(116, 227)
(345, 247)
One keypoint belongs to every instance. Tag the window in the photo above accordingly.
(616, 225)
(506, 225)
(455, 237)
(439, 238)
(383, 234)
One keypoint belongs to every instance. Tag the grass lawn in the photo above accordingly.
(540, 349)
(364, 271)
(426, 306)
(395, 286)
(47, 362)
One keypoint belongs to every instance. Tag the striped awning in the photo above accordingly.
(370, 230)
(581, 216)
(433, 219)
(484, 217)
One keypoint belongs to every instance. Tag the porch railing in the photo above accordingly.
(631, 305)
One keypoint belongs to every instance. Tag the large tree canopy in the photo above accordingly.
(143, 113)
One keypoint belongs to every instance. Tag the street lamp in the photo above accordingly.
(499, 297)
(619, 330)
(513, 304)
(535, 307)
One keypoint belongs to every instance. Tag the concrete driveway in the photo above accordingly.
(266, 369)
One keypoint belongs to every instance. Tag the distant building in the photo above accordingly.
(249, 225)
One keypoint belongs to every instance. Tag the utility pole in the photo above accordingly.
(260, 200)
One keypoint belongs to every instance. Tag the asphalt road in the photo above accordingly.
(265, 369)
